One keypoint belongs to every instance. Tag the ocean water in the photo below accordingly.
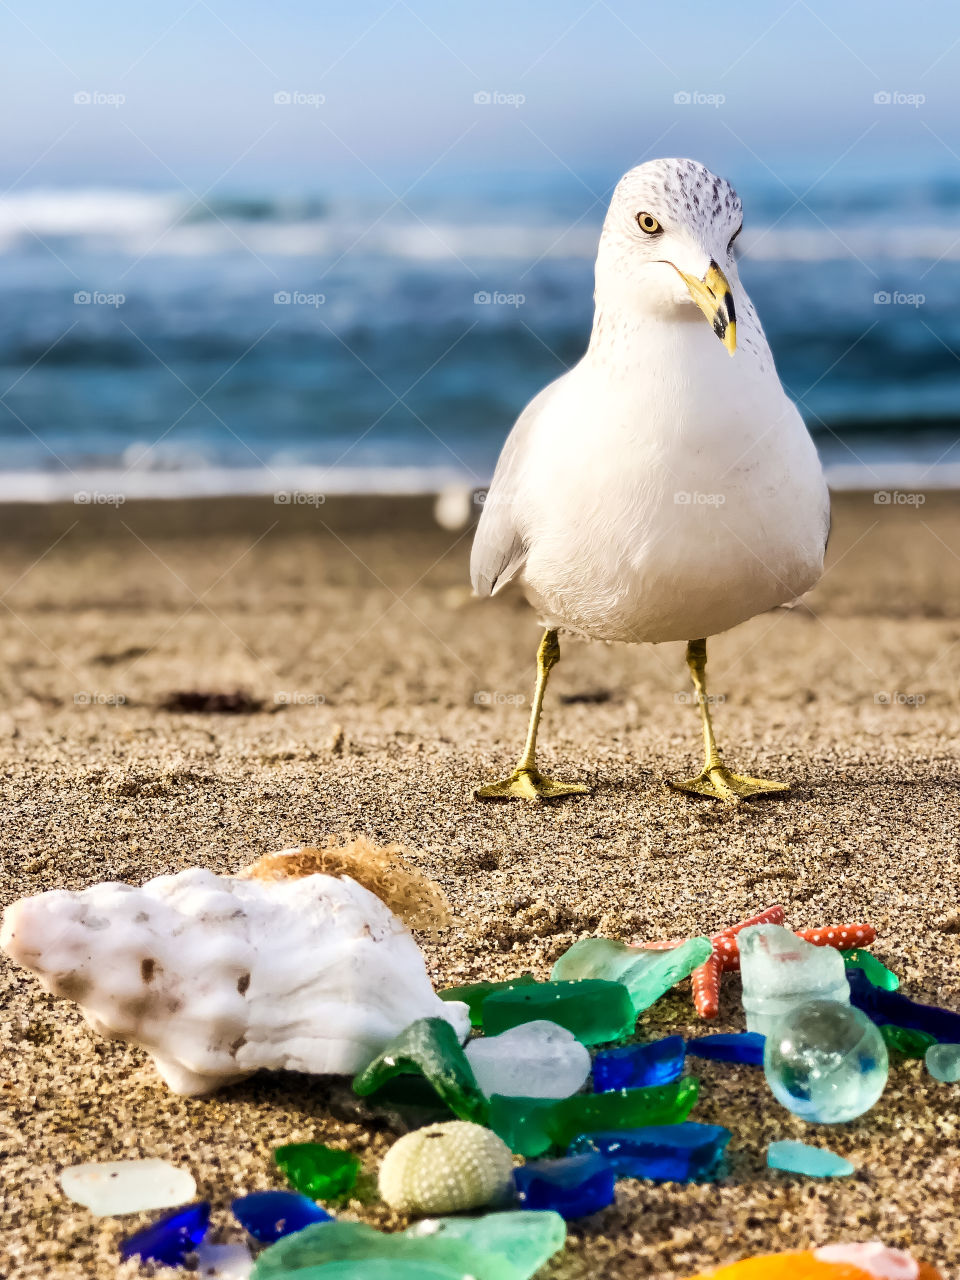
(340, 342)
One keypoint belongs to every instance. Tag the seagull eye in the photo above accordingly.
(733, 237)
(648, 223)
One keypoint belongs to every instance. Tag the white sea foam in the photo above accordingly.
(289, 486)
(311, 486)
(169, 224)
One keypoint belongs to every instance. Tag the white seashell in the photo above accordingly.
(219, 977)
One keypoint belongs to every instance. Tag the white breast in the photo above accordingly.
(672, 496)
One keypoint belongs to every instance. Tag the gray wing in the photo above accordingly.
(499, 548)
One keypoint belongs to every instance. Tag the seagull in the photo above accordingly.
(664, 488)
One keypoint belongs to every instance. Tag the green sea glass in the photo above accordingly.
(429, 1047)
(320, 1172)
(415, 1097)
(905, 1041)
(647, 975)
(531, 1126)
(871, 968)
(523, 1123)
(502, 1246)
(474, 994)
(595, 1011)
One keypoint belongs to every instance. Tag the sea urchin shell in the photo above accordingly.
(445, 1168)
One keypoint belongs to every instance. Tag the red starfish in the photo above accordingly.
(726, 953)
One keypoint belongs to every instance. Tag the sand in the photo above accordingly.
(385, 693)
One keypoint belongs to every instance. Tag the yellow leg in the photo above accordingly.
(716, 780)
(527, 782)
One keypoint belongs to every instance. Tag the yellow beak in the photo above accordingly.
(714, 297)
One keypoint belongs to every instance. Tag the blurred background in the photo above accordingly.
(251, 248)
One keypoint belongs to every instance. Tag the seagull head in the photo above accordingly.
(667, 244)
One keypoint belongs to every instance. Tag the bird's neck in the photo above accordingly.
(626, 337)
(622, 336)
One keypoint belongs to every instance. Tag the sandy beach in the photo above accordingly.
(376, 694)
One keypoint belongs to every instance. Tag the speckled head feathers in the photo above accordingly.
(684, 197)
(679, 194)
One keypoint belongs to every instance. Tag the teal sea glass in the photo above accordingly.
(943, 1062)
(497, 1246)
(647, 975)
(813, 1162)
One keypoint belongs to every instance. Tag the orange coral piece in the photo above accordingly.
(799, 1266)
(786, 1266)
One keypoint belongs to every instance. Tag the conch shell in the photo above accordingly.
(221, 976)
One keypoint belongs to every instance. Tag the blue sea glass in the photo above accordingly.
(825, 1061)
(637, 1065)
(269, 1215)
(169, 1239)
(662, 1153)
(814, 1162)
(745, 1046)
(573, 1186)
(892, 1006)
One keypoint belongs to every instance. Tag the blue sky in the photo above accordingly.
(597, 81)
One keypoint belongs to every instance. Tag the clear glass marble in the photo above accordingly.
(826, 1062)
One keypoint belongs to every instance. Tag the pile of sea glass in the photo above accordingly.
(822, 1020)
